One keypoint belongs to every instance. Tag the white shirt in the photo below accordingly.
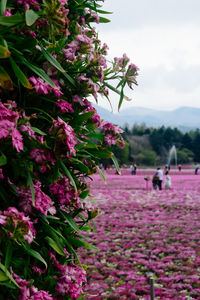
(160, 174)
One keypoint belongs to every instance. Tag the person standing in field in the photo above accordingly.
(167, 181)
(160, 176)
(179, 167)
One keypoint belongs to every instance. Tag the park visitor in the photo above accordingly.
(155, 180)
(167, 181)
(160, 176)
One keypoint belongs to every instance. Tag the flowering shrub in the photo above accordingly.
(51, 63)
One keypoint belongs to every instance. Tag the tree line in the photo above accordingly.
(151, 146)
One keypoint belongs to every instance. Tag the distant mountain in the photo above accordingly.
(185, 118)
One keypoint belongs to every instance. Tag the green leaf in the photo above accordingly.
(57, 65)
(84, 194)
(3, 6)
(83, 168)
(52, 243)
(4, 52)
(3, 160)
(39, 72)
(116, 164)
(70, 221)
(97, 136)
(20, 75)
(68, 174)
(9, 252)
(100, 153)
(103, 20)
(121, 95)
(11, 20)
(30, 183)
(5, 80)
(37, 130)
(84, 117)
(30, 17)
(3, 276)
(36, 254)
(101, 174)
(7, 273)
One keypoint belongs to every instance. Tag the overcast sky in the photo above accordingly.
(162, 37)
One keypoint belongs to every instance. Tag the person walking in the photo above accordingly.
(167, 181)
(160, 176)
(155, 181)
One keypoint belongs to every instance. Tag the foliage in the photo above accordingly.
(51, 62)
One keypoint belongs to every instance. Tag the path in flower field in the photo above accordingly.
(143, 233)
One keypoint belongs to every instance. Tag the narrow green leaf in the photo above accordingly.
(112, 88)
(83, 168)
(3, 160)
(101, 174)
(52, 60)
(30, 183)
(103, 20)
(3, 6)
(36, 254)
(3, 276)
(7, 273)
(9, 252)
(37, 130)
(39, 72)
(30, 17)
(84, 117)
(84, 194)
(116, 164)
(121, 95)
(97, 136)
(57, 65)
(52, 243)
(100, 153)
(20, 75)
(11, 20)
(68, 174)
(70, 221)
(4, 52)
(5, 80)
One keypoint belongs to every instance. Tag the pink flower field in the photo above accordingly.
(142, 234)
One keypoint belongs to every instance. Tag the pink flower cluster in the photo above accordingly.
(65, 106)
(16, 225)
(43, 88)
(43, 202)
(71, 280)
(65, 133)
(112, 134)
(95, 117)
(43, 157)
(64, 192)
(8, 125)
(30, 293)
(88, 85)
(81, 43)
(29, 4)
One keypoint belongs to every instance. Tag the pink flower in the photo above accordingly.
(69, 54)
(64, 106)
(110, 139)
(7, 13)
(17, 140)
(20, 224)
(40, 86)
(42, 201)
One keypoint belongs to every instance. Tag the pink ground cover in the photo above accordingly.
(142, 234)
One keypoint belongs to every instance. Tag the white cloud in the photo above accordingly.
(169, 61)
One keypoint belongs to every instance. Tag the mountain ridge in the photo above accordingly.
(184, 118)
